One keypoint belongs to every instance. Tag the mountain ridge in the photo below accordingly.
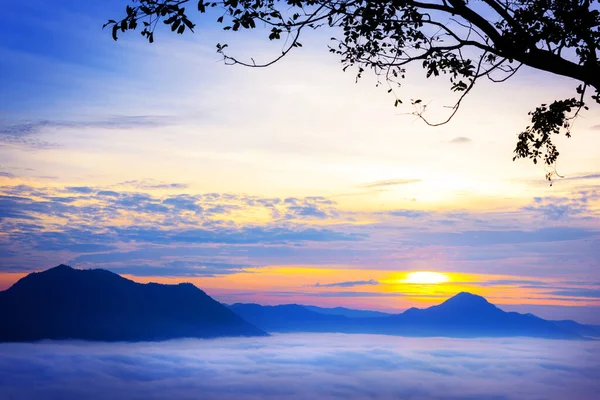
(96, 304)
(462, 315)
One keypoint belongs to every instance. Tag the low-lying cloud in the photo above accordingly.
(348, 284)
(307, 366)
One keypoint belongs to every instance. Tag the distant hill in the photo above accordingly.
(469, 315)
(348, 312)
(583, 330)
(291, 318)
(464, 315)
(66, 303)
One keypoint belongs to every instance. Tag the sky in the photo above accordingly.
(291, 184)
(304, 366)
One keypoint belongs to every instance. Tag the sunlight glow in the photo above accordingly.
(426, 277)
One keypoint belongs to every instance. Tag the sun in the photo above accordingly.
(426, 277)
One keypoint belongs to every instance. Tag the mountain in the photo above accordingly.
(469, 315)
(583, 330)
(348, 312)
(464, 315)
(290, 318)
(66, 303)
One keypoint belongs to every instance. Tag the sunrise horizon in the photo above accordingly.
(429, 289)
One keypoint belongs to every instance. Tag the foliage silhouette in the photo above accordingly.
(463, 40)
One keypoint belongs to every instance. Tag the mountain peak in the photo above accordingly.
(61, 267)
(466, 299)
(64, 271)
(96, 304)
(467, 295)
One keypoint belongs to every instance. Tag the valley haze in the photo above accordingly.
(302, 366)
(130, 353)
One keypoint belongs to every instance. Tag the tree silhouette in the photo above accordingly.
(463, 40)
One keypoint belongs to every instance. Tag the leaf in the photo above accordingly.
(189, 24)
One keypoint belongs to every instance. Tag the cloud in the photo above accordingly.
(589, 176)
(334, 294)
(242, 253)
(348, 284)
(79, 240)
(582, 177)
(408, 213)
(513, 282)
(487, 238)
(308, 207)
(10, 208)
(70, 239)
(522, 283)
(315, 366)
(181, 269)
(391, 182)
(556, 208)
(25, 133)
(579, 292)
(89, 224)
(80, 189)
(246, 235)
(110, 193)
(460, 140)
(184, 202)
(193, 232)
(26, 142)
(25, 128)
(150, 184)
(173, 209)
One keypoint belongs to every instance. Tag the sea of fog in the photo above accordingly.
(304, 366)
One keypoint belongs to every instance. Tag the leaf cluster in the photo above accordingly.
(461, 40)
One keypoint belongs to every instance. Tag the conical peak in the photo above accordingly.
(62, 267)
(466, 299)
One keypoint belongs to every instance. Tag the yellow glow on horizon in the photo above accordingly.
(393, 290)
(426, 278)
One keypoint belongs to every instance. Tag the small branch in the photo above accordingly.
(458, 103)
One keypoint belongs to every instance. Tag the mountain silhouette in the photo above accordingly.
(67, 303)
(348, 312)
(581, 329)
(463, 315)
(469, 315)
(290, 318)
